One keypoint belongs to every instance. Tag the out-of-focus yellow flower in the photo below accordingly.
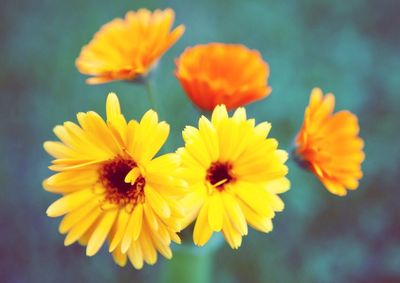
(112, 188)
(125, 49)
(218, 73)
(329, 146)
(235, 174)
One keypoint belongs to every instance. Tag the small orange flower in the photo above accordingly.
(124, 49)
(218, 73)
(329, 145)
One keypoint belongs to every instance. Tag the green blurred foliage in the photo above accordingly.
(350, 48)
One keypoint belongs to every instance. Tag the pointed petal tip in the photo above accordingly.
(125, 247)
(91, 251)
(68, 241)
(50, 211)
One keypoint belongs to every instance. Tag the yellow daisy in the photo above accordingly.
(112, 188)
(234, 174)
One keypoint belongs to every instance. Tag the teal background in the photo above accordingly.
(348, 47)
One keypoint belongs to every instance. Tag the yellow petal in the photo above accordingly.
(67, 182)
(196, 147)
(202, 231)
(150, 133)
(135, 255)
(174, 237)
(275, 202)
(165, 162)
(103, 134)
(101, 232)
(133, 229)
(215, 212)
(156, 140)
(121, 225)
(59, 150)
(210, 138)
(282, 155)
(132, 176)
(254, 197)
(235, 213)
(239, 114)
(150, 217)
(159, 205)
(258, 222)
(69, 202)
(220, 113)
(77, 215)
(263, 129)
(113, 109)
(278, 186)
(232, 236)
(148, 249)
(119, 257)
(80, 228)
(160, 245)
(163, 233)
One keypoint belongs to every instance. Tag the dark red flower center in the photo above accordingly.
(112, 177)
(220, 174)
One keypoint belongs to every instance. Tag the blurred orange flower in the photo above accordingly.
(124, 49)
(218, 73)
(329, 145)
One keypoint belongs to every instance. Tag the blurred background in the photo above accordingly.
(350, 48)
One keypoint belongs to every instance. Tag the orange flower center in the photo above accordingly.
(220, 174)
(112, 177)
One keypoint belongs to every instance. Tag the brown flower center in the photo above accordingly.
(112, 177)
(219, 174)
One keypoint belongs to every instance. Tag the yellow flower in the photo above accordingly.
(329, 146)
(234, 174)
(124, 49)
(112, 188)
(218, 73)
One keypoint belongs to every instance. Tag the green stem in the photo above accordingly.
(191, 264)
(151, 94)
(154, 104)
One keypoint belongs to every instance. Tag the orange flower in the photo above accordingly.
(329, 145)
(218, 73)
(124, 49)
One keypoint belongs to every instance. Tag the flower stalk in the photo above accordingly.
(192, 264)
(151, 94)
